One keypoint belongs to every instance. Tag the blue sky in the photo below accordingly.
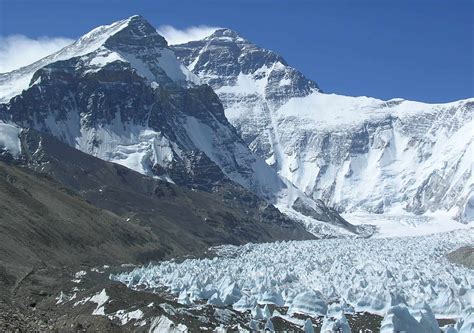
(418, 49)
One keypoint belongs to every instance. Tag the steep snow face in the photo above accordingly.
(9, 139)
(364, 154)
(310, 277)
(126, 40)
(354, 153)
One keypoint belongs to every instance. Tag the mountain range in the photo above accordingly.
(120, 94)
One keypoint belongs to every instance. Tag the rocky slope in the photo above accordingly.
(44, 224)
(120, 94)
(168, 220)
(354, 153)
(184, 221)
(62, 210)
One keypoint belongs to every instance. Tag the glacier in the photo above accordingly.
(312, 277)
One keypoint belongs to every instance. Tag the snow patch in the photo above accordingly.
(163, 324)
(100, 299)
(124, 317)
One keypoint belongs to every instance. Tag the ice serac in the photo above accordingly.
(354, 153)
(407, 280)
(329, 277)
(119, 93)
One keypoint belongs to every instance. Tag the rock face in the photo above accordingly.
(184, 221)
(462, 256)
(354, 153)
(120, 94)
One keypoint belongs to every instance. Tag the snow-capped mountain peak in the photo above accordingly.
(226, 59)
(130, 30)
(226, 32)
(226, 35)
(132, 40)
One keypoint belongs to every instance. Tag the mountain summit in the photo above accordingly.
(227, 59)
(133, 40)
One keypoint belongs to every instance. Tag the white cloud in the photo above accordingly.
(178, 36)
(19, 50)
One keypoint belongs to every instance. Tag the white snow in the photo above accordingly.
(337, 112)
(407, 225)
(100, 299)
(367, 274)
(124, 317)
(9, 138)
(174, 69)
(103, 57)
(247, 84)
(163, 324)
(63, 298)
(80, 274)
(135, 147)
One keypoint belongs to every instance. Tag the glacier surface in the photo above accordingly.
(370, 275)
